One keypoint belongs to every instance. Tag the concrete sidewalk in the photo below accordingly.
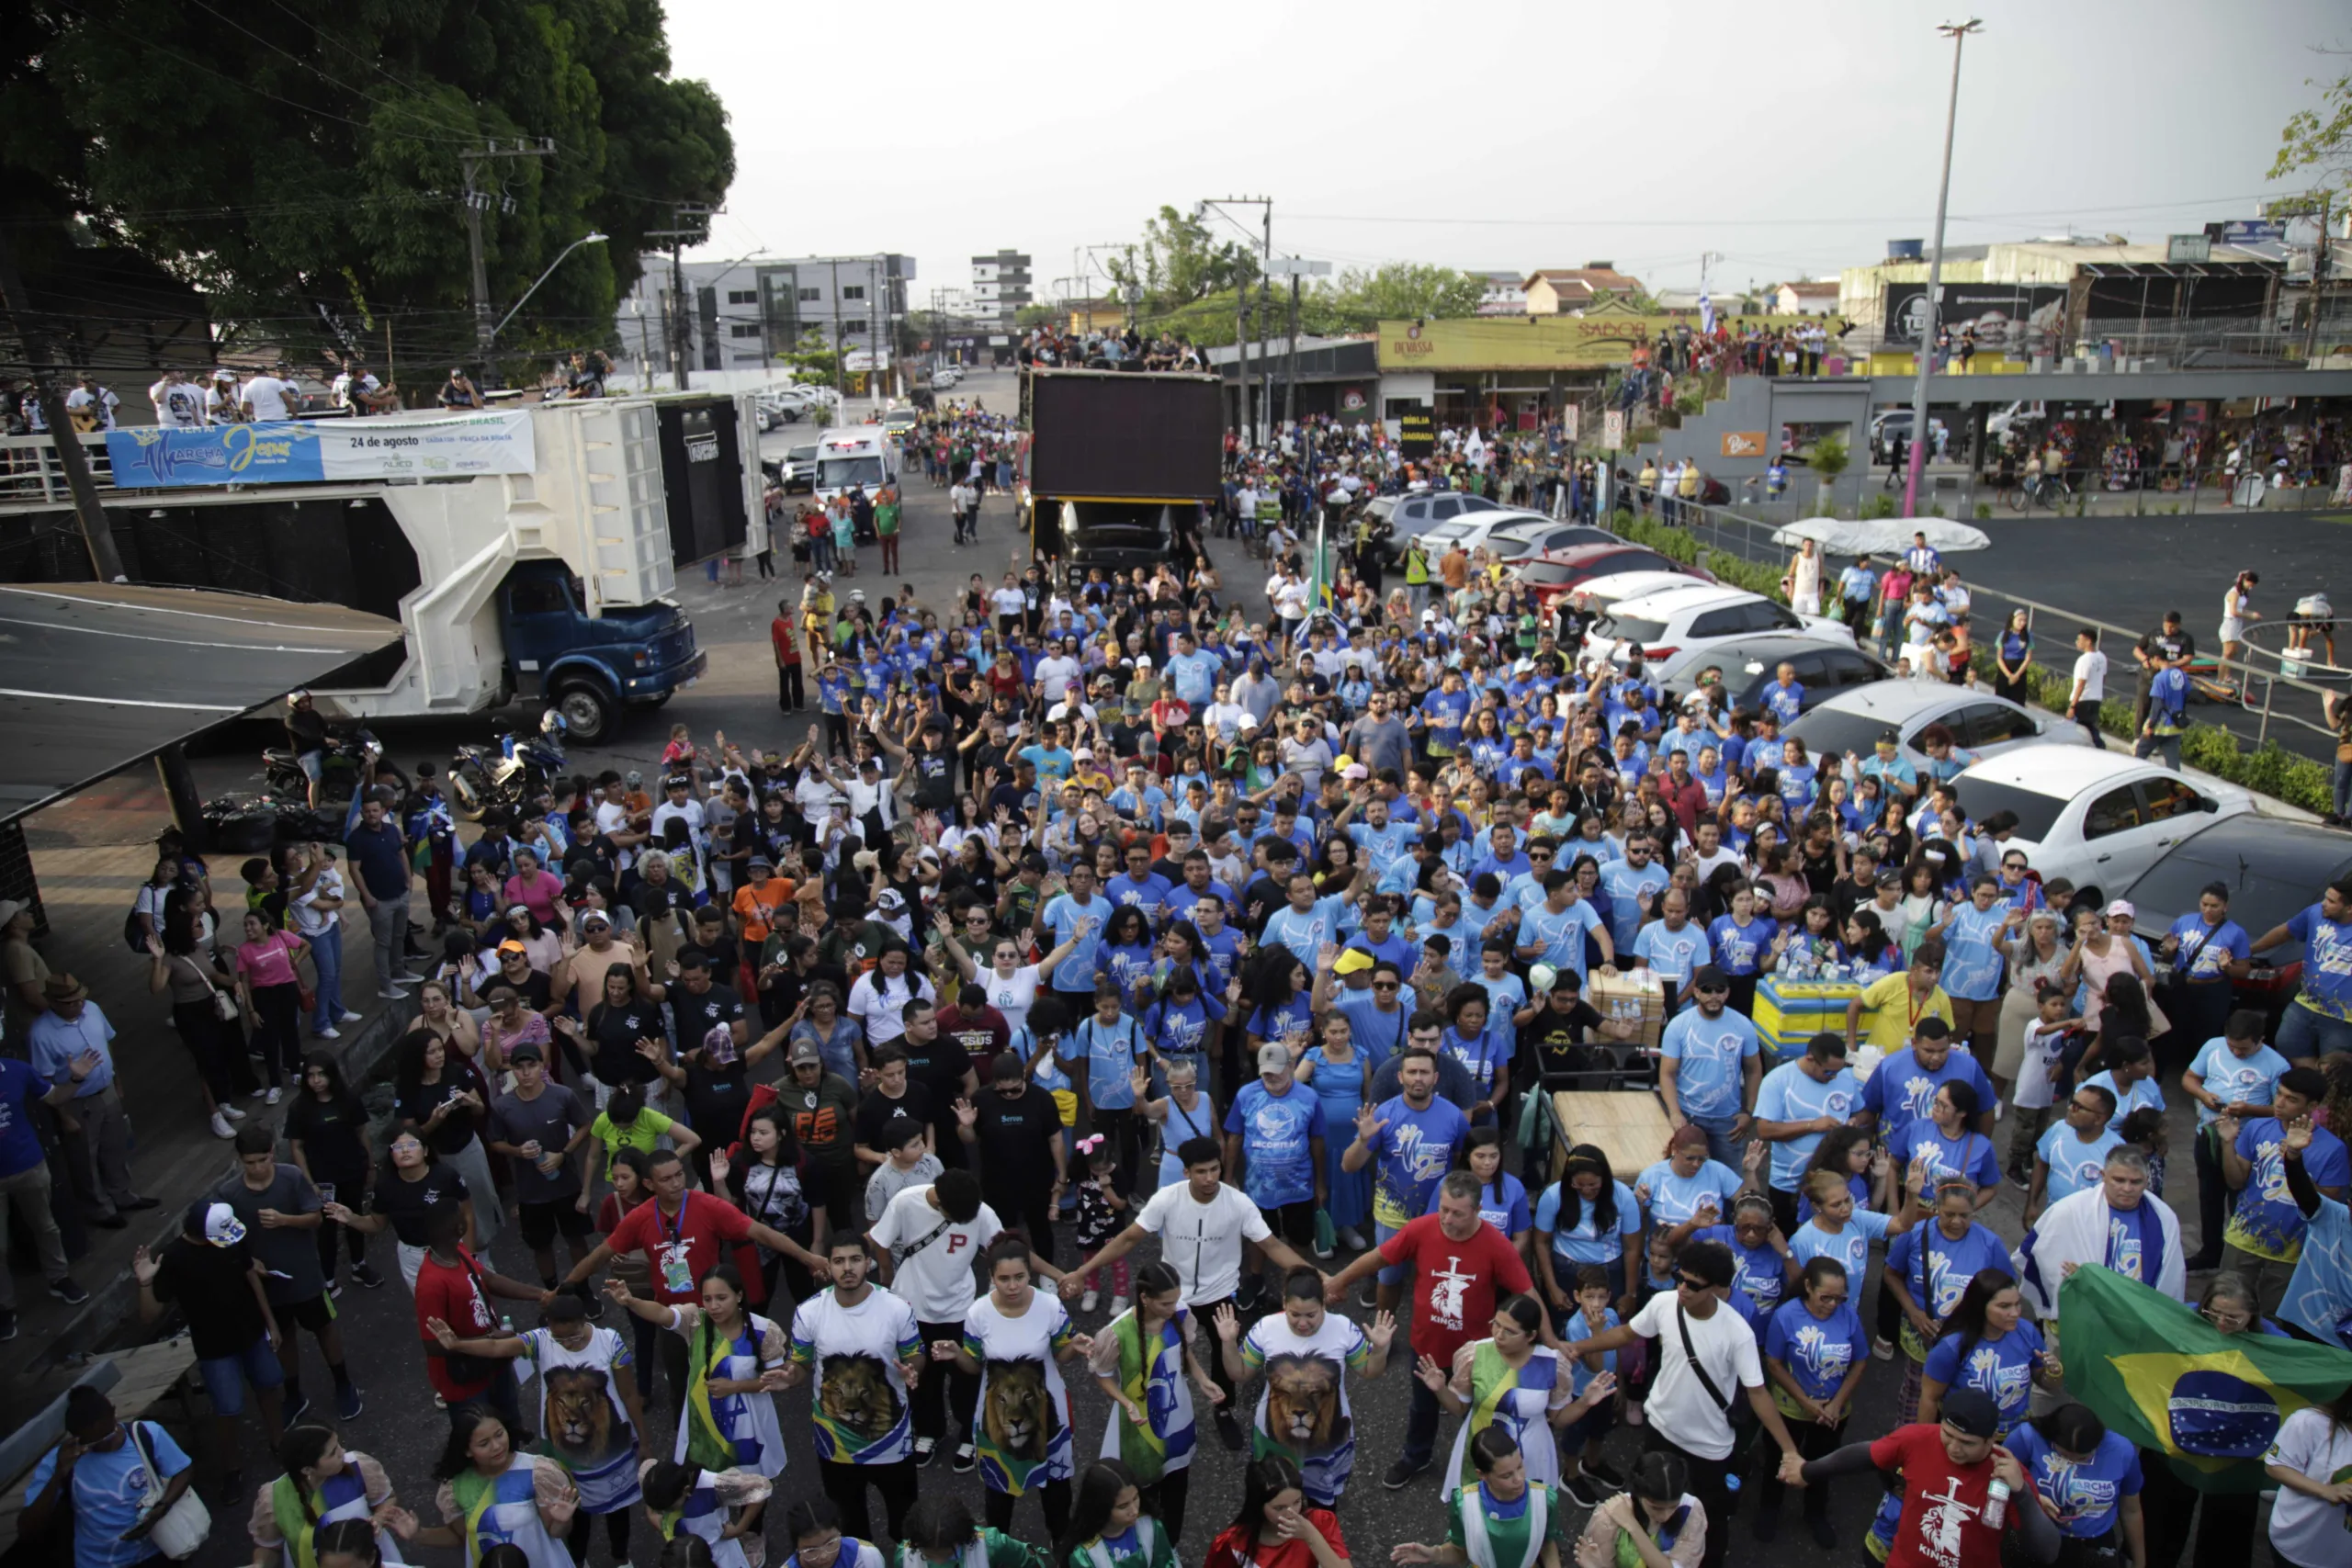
(90, 854)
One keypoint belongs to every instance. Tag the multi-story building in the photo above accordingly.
(1504, 293)
(741, 315)
(1000, 285)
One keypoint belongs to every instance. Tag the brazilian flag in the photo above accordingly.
(2160, 1374)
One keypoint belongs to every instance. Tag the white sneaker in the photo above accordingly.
(232, 1113)
(1086, 1303)
(221, 1128)
(390, 994)
(329, 1032)
(1118, 1306)
(274, 1096)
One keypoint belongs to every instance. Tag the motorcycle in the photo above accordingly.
(511, 769)
(344, 760)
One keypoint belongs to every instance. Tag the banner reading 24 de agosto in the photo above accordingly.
(310, 452)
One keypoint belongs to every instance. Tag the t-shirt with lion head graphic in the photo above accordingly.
(1302, 1411)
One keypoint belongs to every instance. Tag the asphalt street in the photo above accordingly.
(400, 1425)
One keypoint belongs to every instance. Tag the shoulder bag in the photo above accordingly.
(181, 1530)
(1740, 1416)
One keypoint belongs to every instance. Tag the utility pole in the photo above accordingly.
(2319, 277)
(478, 199)
(1297, 269)
(692, 223)
(98, 537)
(1241, 301)
(1922, 436)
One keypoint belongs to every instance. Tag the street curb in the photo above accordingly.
(100, 1322)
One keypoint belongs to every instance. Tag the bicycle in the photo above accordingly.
(2046, 490)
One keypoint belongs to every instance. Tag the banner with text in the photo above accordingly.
(306, 452)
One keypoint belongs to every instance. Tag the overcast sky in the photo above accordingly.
(1793, 138)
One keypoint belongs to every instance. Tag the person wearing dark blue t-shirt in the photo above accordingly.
(23, 1175)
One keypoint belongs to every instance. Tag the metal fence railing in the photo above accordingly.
(2280, 692)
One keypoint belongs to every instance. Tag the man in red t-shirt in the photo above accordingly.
(1946, 1470)
(784, 634)
(684, 1235)
(453, 1289)
(1462, 1267)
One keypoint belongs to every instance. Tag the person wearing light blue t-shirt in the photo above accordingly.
(2073, 1155)
(104, 1490)
(1672, 948)
(1307, 922)
(1797, 1105)
(1972, 934)
(1672, 1191)
(1076, 916)
(2133, 1080)
(1626, 882)
(2237, 1074)
(1554, 932)
(1711, 1066)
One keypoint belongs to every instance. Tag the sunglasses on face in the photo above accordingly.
(1684, 1282)
(1384, 984)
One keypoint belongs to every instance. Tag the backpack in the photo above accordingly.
(133, 937)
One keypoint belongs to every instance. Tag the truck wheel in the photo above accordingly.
(590, 716)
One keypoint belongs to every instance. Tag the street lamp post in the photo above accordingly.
(589, 239)
(1921, 437)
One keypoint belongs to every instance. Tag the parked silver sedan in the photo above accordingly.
(1982, 725)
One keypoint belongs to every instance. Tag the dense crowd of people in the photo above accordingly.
(1164, 990)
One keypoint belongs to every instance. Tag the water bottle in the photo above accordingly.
(506, 1325)
(1996, 1504)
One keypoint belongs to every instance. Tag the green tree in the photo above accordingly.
(2319, 139)
(811, 359)
(303, 167)
(1180, 262)
(1399, 291)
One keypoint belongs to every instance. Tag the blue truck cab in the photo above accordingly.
(591, 668)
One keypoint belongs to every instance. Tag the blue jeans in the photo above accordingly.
(225, 1377)
(1719, 1140)
(2307, 1032)
(1421, 1427)
(1390, 1273)
(326, 954)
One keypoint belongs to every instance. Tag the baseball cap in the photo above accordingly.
(760, 858)
(10, 908)
(593, 917)
(1273, 1057)
(1351, 961)
(1709, 978)
(804, 1051)
(511, 945)
(2122, 907)
(889, 900)
(1970, 1411)
(216, 1223)
(528, 1051)
(1083, 754)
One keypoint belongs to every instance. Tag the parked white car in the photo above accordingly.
(1695, 615)
(2098, 819)
(1852, 721)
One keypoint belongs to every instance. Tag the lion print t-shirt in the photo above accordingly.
(1303, 1412)
(1023, 1428)
(586, 1425)
(855, 1351)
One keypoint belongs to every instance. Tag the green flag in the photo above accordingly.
(1318, 586)
(2160, 1374)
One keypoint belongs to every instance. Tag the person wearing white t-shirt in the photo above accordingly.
(1202, 1226)
(265, 397)
(223, 404)
(928, 1238)
(2090, 684)
(1010, 606)
(1700, 1341)
(179, 404)
(847, 1334)
(1055, 673)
